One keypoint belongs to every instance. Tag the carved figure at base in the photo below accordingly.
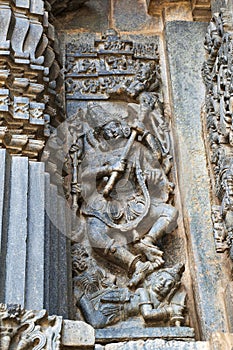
(158, 302)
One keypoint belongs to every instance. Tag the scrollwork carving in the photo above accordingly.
(21, 329)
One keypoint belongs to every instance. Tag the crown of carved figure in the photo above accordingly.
(97, 117)
(175, 272)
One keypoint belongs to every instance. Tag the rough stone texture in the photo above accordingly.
(229, 305)
(34, 264)
(35, 240)
(77, 334)
(119, 334)
(91, 17)
(17, 232)
(69, 290)
(216, 5)
(63, 261)
(2, 183)
(54, 252)
(132, 16)
(4, 193)
(221, 341)
(30, 57)
(186, 55)
(47, 243)
(157, 344)
(27, 329)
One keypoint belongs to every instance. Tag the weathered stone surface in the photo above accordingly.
(69, 264)
(54, 252)
(63, 259)
(78, 335)
(47, 243)
(29, 100)
(157, 344)
(216, 5)
(2, 189)
(17, 232)
(26, 329)
(119, 334)
(221, 341)
(4, 208)
(35, 239)
(91, 17)
(132, 15)
(228, 296)
(186, 55)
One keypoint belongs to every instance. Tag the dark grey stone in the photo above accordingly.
(63, 268)
(5, 160)
(47, 243)
(69, 263)
(92, 17)
(2, 185)
(104, 336)
(17, 232)
(35, 241)
(186, 55)
(54, 252)
(132, 16)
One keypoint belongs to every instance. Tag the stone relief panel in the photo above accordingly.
(218, 77)
(96, 69)
(117, 179)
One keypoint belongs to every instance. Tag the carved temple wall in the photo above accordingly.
(116, 116)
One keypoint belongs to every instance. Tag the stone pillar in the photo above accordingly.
(16, 250)
(34, 246)
(36, 237)
(185, 58)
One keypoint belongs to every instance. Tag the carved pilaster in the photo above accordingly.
(218, 77)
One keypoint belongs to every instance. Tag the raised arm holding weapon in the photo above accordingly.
(125, 189)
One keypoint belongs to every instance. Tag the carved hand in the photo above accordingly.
(119, 166)
(138, 126)
(153, 175)
(176, 311)
(111, 296)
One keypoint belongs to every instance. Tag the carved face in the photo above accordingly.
(162, 283)
(143, 73)
(112, 130)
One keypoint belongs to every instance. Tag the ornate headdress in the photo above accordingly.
(175, 272)
(97, 116)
